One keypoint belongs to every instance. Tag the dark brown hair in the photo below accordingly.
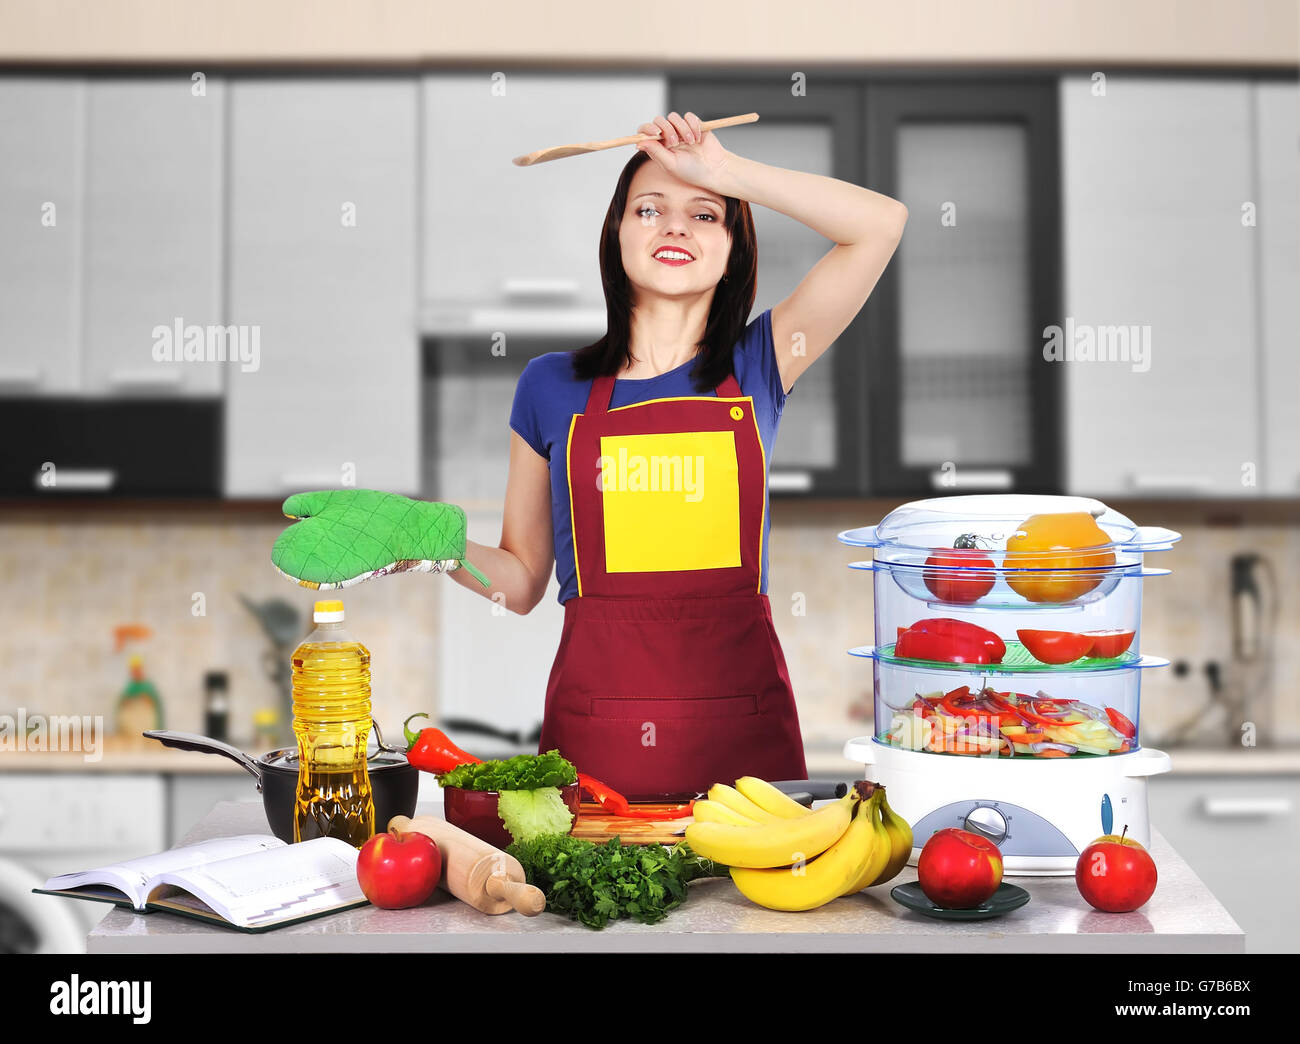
(728, 313)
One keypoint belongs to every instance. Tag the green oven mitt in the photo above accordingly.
(344, 536)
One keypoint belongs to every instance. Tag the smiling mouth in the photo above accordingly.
(673, 257)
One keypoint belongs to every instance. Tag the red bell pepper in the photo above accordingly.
(1024, 710)
(614, 803)
(945, 640)
(432, 751)
(961, 704)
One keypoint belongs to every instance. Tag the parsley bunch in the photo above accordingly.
(596, 883)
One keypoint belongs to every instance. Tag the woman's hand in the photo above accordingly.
(685, 151)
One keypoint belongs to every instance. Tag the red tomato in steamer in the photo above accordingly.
(1109, 644)
(1120, 723)
(959, 576)
(1055, 646)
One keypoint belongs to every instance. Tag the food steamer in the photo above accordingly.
(1040, 758)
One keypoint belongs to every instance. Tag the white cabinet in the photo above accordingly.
(153, 212)
(41, 139)
(494, 231)
(493, 665)
(191, 797)
(1242, 837)
(323, 254)
(1155, 175)
(1277, 129)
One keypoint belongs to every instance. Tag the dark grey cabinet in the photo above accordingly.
(939, 384)
(963, 399)
(822, 445)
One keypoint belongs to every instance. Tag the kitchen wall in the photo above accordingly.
(69, 578)
(1008, 32)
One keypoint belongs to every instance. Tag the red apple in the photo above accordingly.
(1115, 874)
(398, 869)
(958, 869)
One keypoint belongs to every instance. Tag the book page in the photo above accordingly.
(132, 876)
(279, 884)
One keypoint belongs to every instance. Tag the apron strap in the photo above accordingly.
(602, 389)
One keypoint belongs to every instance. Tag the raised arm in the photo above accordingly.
(865, 226)
(521, 567)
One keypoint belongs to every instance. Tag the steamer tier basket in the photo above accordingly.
(1041, 758)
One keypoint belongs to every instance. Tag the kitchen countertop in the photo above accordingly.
(1182, 917)
(825, 760)
(118, 755)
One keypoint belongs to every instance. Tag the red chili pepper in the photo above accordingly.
(432, 751)
(614, 803)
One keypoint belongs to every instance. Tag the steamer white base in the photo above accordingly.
(1041, 813)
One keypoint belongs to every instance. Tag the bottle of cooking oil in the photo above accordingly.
(331, 720)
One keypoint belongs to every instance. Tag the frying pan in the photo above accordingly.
(394, 781)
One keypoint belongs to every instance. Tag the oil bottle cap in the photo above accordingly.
(328, 612)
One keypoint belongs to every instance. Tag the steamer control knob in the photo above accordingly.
(987, 822)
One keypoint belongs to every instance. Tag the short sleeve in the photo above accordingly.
(523, 412)
(760, 351)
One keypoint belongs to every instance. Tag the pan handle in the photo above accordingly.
(206, 745)
(817, 789)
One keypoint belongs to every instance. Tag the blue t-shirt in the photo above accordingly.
(548, 395)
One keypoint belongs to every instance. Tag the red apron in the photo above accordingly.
(669, 677)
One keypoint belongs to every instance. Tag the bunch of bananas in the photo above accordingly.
(787, 857)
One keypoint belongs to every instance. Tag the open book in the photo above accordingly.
(252, 881)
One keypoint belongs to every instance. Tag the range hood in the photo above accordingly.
(526, 307)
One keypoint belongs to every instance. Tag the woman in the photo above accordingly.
(638, 466)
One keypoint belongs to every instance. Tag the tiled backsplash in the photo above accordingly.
(69, 577)
(69, 580)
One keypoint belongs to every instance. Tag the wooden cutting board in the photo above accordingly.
(595, 825)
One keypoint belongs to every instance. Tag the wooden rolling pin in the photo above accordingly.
(475, 872)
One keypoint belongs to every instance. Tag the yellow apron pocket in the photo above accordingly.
(671, 501)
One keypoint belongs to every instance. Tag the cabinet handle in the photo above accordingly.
(552, 288)
(20, 378)
(965, 478)
(159, 378)
(1246, 808)
(1171, 483)
(789, 481)
(305, 481)
(78, 478)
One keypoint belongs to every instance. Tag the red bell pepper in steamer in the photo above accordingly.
(945, 640)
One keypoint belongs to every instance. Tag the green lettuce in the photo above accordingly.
(522, 772)
(532, 813)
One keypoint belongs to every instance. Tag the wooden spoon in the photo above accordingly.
(563, 151)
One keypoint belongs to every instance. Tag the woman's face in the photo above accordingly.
(665, 213)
